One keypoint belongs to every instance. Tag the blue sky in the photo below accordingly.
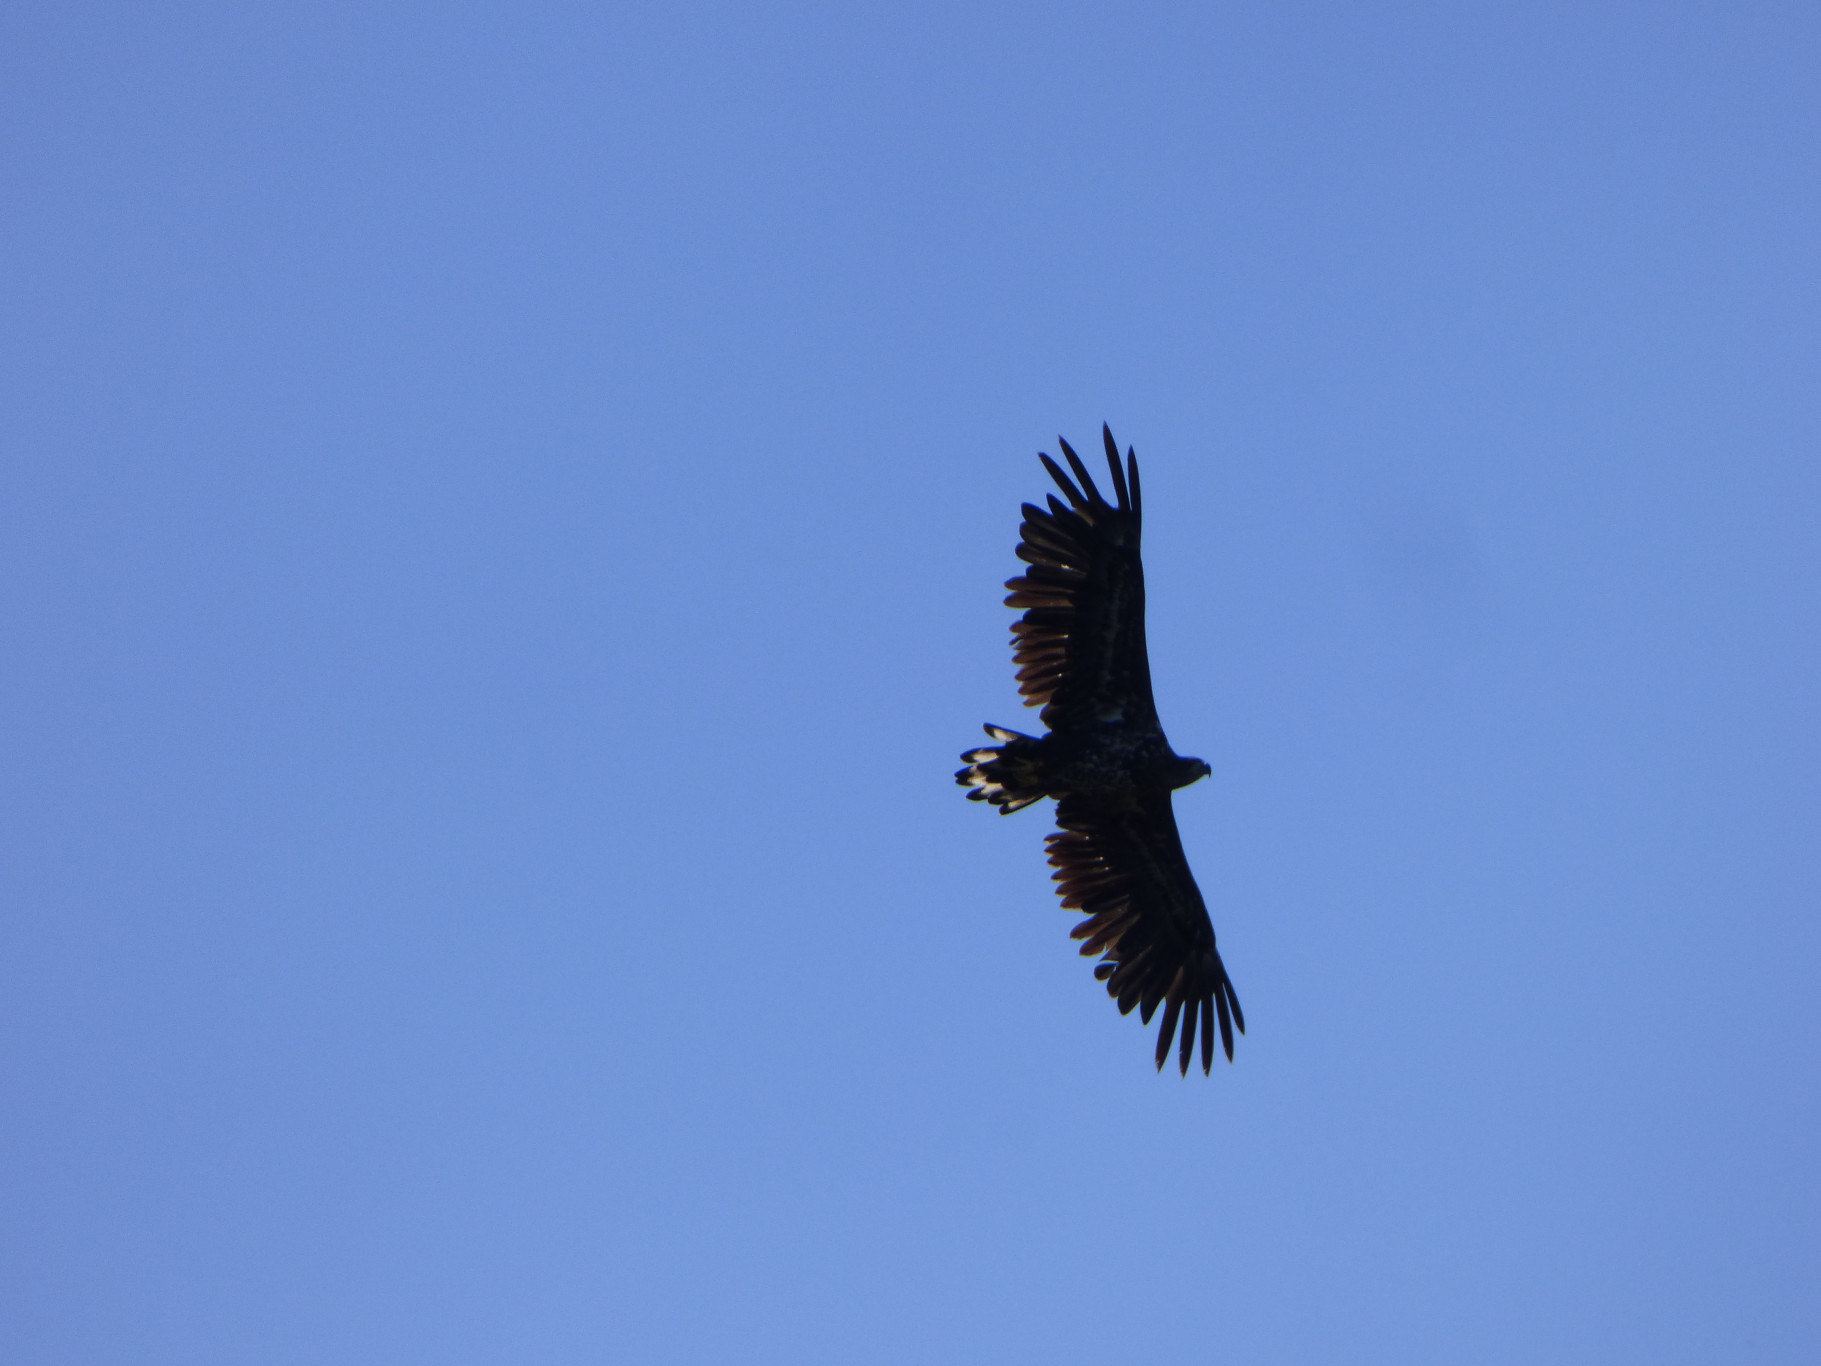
(501, 520)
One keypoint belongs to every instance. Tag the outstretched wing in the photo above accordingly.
(1126, 869)
(1080, 647)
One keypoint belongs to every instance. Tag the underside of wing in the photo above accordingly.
(1080, 648)
(1125, 868)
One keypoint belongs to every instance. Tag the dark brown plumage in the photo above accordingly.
(1080, 652)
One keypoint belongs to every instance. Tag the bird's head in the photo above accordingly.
(1188, 771)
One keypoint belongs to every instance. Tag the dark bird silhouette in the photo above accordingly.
(1081, 656)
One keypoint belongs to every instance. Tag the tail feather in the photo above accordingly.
(1009, 777)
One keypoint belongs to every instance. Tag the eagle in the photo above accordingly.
(1118, 858)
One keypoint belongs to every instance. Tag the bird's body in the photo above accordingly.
(1118, 857)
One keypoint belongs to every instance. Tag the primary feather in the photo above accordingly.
(1080, 652)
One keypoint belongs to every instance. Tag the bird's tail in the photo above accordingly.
(1010, 777)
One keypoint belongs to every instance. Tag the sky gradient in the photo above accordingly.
(502, 516)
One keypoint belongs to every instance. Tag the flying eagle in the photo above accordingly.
(1081, 656)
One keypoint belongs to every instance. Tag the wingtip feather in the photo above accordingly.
(1119, 484)
(1081, 473)
(1166, 1032)
(1226, 1024)
(1063, 482)
(1190, 1008)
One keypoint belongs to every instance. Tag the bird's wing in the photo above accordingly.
(1080, 647)
(1125, 868)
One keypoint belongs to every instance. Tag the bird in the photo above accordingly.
(1117, 855)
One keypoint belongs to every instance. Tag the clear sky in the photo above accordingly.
(502, 512)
